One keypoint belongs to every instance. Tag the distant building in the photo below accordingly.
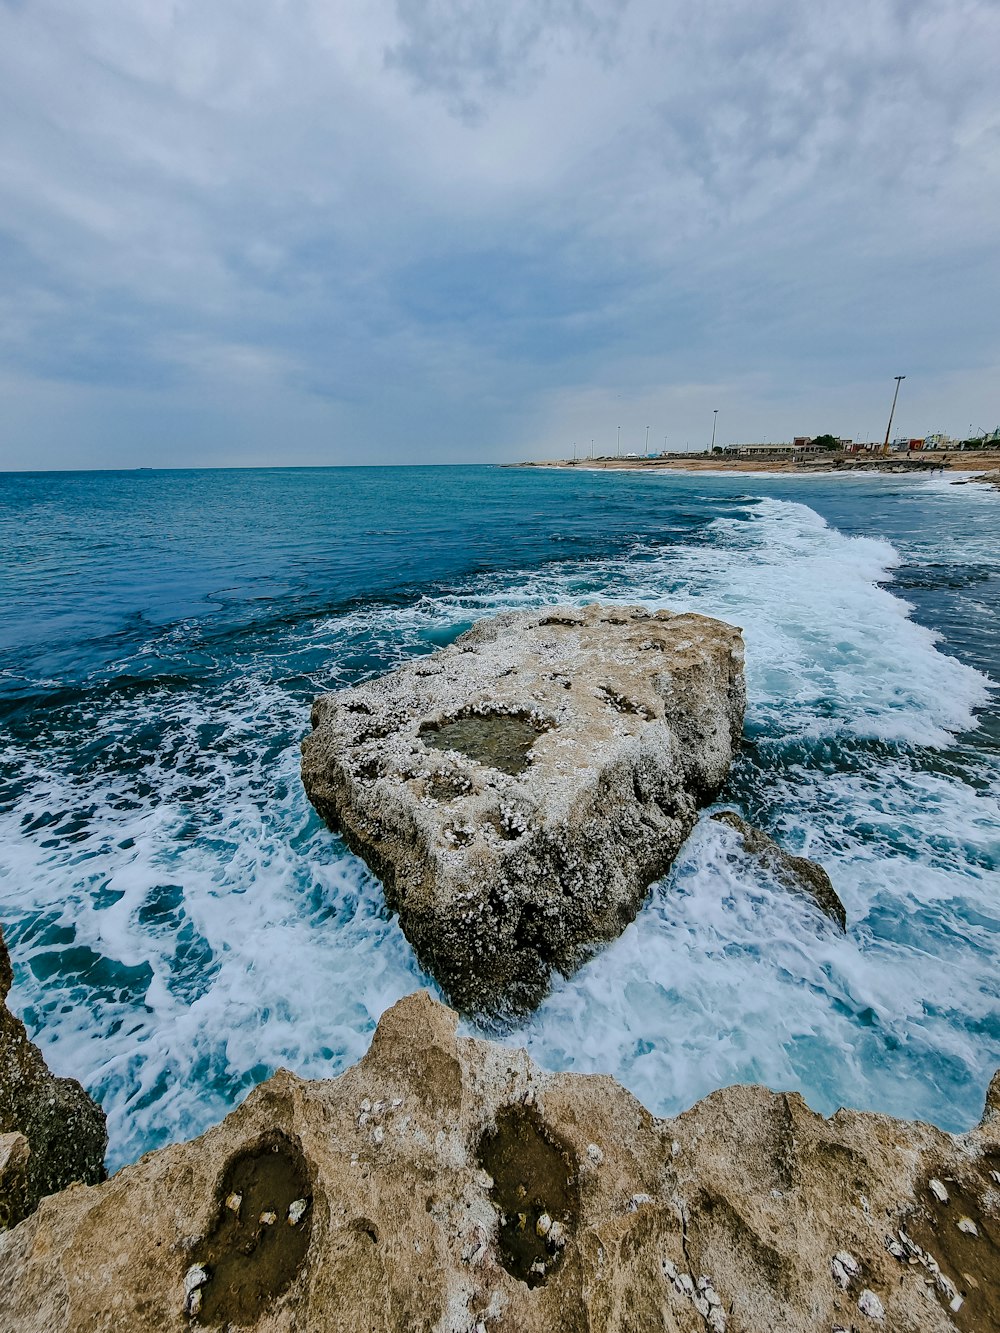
(759, 450)
(801, 447)
(808, 446)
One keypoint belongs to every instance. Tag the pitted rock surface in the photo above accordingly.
(518, 791)
(51, 1131)
(449, 1185)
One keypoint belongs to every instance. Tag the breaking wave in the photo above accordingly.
(182, 923)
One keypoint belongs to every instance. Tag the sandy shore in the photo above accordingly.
(981, 461)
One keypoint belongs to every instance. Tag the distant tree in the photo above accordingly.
(717, 449)
(826, 442)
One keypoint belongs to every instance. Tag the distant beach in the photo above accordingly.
(952, 460)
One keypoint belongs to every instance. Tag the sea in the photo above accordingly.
(181, 922)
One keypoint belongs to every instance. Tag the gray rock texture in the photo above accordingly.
(518, 791)
(51, 1131)
(446, 1185)
(796, 873)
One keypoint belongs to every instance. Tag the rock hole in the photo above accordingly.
(534, 1190)
(364, 1226)
(510, 826)
(458, 836)
(254, 1250)
(499, 740)
(447, 786)
(969, 1257)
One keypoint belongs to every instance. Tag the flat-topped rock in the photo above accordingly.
(518, 791)
(449, 1185)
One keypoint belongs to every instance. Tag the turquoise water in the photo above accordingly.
(181, 923)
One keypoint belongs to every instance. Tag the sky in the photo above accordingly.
(434, 231)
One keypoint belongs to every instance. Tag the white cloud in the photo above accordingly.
(499, 207)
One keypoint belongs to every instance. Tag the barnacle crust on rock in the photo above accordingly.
(518, 791)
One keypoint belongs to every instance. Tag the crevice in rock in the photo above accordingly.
(621, 703)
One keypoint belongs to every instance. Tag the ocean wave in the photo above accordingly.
(182, 923)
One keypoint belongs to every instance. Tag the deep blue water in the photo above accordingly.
(181, 923)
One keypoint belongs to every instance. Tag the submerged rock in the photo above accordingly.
(51, 1131)
(518, 791)
(797, 873)
(506, 1199)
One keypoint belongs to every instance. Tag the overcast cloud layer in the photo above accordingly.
(452, 230)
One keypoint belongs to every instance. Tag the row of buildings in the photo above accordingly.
(804, 446)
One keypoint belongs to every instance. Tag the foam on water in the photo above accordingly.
(188, 932)
(183, 924)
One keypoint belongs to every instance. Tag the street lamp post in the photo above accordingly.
(715, 422)
(619, 442)
(892, 412)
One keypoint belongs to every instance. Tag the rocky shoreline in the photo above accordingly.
(517, 793)
(449, 1184)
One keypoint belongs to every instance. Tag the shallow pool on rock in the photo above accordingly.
(498, 740)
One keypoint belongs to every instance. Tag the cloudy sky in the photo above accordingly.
(324, 231)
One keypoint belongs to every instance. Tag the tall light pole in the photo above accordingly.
(715, 422)
(892, 410)
(619, 441)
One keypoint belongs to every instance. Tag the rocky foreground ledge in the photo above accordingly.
(448, 1185)
(518, 791)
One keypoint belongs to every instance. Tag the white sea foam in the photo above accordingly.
(255, 940)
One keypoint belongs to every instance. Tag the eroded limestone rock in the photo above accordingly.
(796, 873)
(51, 1131)
(519, 791)
(448, 1184)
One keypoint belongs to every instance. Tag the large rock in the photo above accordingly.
(449, 1185)
(519, 791)
(797, 873)
(51, 1131)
